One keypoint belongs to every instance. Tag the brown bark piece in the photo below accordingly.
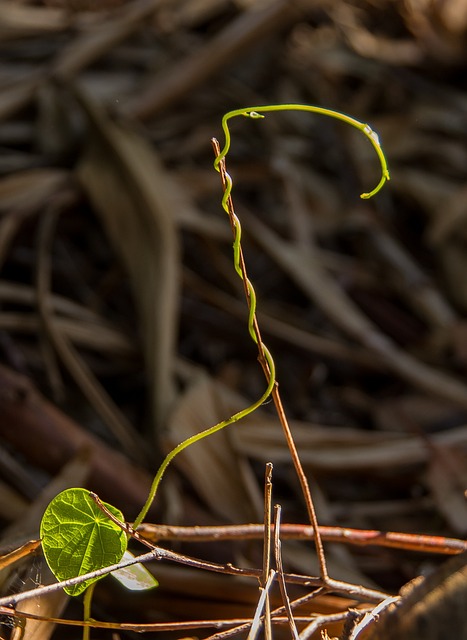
(433, 608)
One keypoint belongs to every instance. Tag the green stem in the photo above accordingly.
(204, 434)
(87, 601)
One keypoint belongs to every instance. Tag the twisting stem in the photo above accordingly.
(227, 204)
(267, 363)
(239, 263)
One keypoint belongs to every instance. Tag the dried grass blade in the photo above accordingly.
(236, 39)
(18, 20)
(131, 193)
(91, 45)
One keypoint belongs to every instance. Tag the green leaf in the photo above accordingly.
(77, 537)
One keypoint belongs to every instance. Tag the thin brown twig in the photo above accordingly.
(320, 621)
(259, 617)
(372, 616)
(21, 552)
(280, 572)
(358, 537)
(157, 626)
(267, 547)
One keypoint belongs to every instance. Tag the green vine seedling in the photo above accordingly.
(78, 537)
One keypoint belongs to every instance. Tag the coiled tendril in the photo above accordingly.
(255, 113)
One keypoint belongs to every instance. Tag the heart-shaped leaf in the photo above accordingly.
(77, 537)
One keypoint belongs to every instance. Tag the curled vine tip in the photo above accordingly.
(256, 113)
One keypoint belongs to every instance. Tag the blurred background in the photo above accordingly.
(123, 326)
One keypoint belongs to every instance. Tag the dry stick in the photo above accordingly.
(359, 537)
(354, 616)
(267, 547)
(15, 598)
(372, 616)
(256, 623)
(161, 626)
(23, 551)
(157, 553)
(320, 621)
(293, 605)
(280, 571)
(275, 392)
(130, 626)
